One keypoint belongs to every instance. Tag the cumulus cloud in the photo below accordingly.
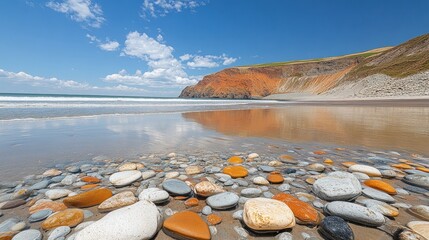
(83, 11)
(106, 46)
(164, 68)
(37, 81)
(155, 8)
(207, 61)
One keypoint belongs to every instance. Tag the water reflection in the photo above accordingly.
(405, 128)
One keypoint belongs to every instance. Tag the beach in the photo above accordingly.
(80, 151)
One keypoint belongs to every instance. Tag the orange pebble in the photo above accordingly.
(214, 219)
(90, 179)
(191, 202)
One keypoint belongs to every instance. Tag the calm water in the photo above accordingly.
(29, 142)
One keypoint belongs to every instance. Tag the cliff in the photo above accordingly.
(315, 77)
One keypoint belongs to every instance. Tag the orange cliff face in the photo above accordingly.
(258, 82)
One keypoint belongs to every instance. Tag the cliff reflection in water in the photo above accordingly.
(405, 128)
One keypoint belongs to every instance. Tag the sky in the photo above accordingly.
(157, 47)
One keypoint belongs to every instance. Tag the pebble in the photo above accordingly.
(13, 204)
(317, 167)
(125, 178)
(18, 227)
(284, 187)
(207, 210)
(51, 205)
(417, 180)
(378, 195)
(261, 214)
(40, 215)
(89, 198)
(135, 222)
(382, 186)
(260, 181)
(176, 187)
(251, 192)
(68, 217)
(59, 232)
(30, 234)
(275, 178)
(284, 236)
(40, 185)
(355, 213)
(267, 168)
(303, 212)
(186, 225)
(238, 215)
(90, 179)
(380, 207)
(148, 174)
(154, 195)
(253, 155)
(172, 175)
(421, 211)
(222, 201)
(337, 186)
(368, 170)
(236, 171)
(191, 170)
(335, 228)
(206, 189)
(117, 201)
(214, 219)
(420, 227)
(52, 173)
(54, 194)
(235, 160)
(69, 180)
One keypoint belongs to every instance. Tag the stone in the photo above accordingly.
(52, 173)
(186, 225)
(275, 178)
(89, 186)
(176, 187)
(417, 180)
(130, 166)
(30, 234)
(421, 211)
(117, 201)
(252, 156)
(236, 171)
(54, 194)
(251, 192)
(13, 204)
(337, 186)
(260, 181)
(68, 217)
(87, 214)
(7, 224)
(125, 178)
(214, 219)
(402, 166)
(207, 210)
(139, 221)
(420, 227)
(361, 176)
(69, 180)
(319, 152)
(328, 161)
(316, 167)
(191, 170)
(90, 179)
(382, 186)
(89, 198)
(266, 168)
(54, 206)
(172, 175)
(59, 232)
(284, 236)
(388, 173)
(275, 163)
(378, 195)
(40, 185)
(235, 160)
(154, 195)
(191, 202)
(348, 164)
(40, 215)
(222, 201)
(409, 235)
(284, 187)
(304, 212)
(19, 227)
(262, 214)
(381, 207)
(148, 174)
(335, 228)
(207, 189)
(241, 232)
(368, 170)
(355, 213)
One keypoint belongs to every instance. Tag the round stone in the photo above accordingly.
(40, 215)
(191, 170)
(30, 234)
(337, 186)
(88, 199)
(13, 204)
(235, 160)
(251, 192)
(275, 178)
(90, 179)
(368, 170)
(206, 189)
(421, 211)
(378, 195)
(214, 219)
(125, 178)
(262, 214)
(172, 175)
(54, 194)
(236, 171)
(355, 213)
(52, 173)
(304, 212)
(117, 201)
(260, 181)
(186, 225)
(68, 217)
(176, 187)
(317, 167)
(252, 155)
(417, 180)
(335, 228)
(54, 206)
(19, 226)
(222, 201)
(380, 185)
(59, 232)
(381, 207)
(420, 227)
(154, 195)
(148, 174)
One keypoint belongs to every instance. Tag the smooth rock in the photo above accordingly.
(186, 225)
(337, 186)
(40, 185)
(172, 175)
(69, 180)
(30, 234)
(303, 212)
(355, 213)
(88, 199)
(206, 189)
(13, 204)
(382, 186)
(148, 174)
(266, 168)
(214, 219)
(54, 194)
(235, 160)
(417, 180)
(207, 210)
(90, 179)
(252, 155)
(335, 228)
(261, 214)
(117, 201)
(19, 227)
(154, 195)
(260, 181)
(251, 192)
(52, 173)
(380, 207)
(378, 195)
(284, 236)
(176, 187)
(7, 224)
(421, 211)
(191, 170)
(316, 167)
(54, 206)
(139, 221)
(40, 215)
(368, 170)
(236, 171)
(59, 232)
(275, 178)
(125, 178)
(223, 200)
(68, 217)
(284, 187)
(420, 227)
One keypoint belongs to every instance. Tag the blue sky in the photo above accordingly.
(157, 47)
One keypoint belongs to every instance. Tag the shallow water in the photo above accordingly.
(27, 145)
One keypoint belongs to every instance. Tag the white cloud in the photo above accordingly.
(52, 82)
(106, 46)
(83, 11)
(164, 69)
(109, 46)
(155, 8)
(207, 61)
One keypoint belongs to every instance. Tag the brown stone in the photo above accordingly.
(310, 181)
(319, 152)
(54, 206)
(328, 161)
(206, 189)
(348, 164)
(423, 169)
(304, 212)
(52, 172)
(68, 217)
(13, 204)
(7, 235)
(287, 157)
(402, 166)
(88, 199)
(236, 171)
(275, 177)
(191, 202)
(187, 225)
(235, 160)
(90, 179)
(214, 219)
(380, 185)
(89, 186)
